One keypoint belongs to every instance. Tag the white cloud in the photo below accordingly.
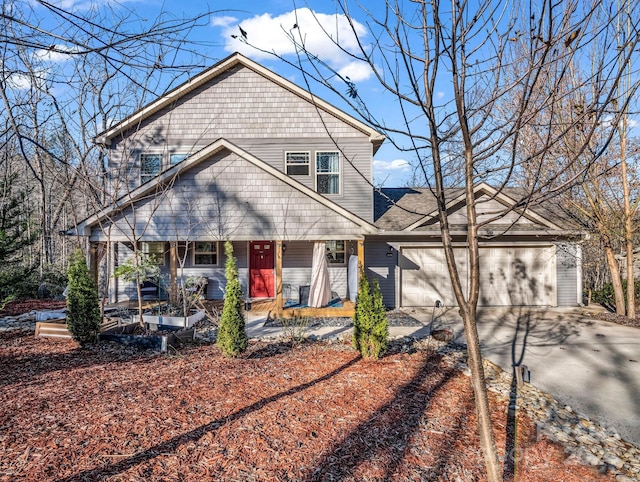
(318, 32)
(395, 165)
(356, 71)
(223, 21)
(57, 53)
(19, 81)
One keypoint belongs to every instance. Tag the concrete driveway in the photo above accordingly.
(591, 365)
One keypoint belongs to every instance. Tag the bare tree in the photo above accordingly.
(624, 34)
(454, 70)
(66, 75)
(591, 147)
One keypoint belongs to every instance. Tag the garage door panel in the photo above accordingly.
(517, 276)
(494, 277)
(509, 276)
(425, 277)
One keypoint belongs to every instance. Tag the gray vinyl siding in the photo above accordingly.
(567, 265)
(296, 270)
(125, 290)
(356, 193)
(216, 274)
(383, 268)
(227, 197)
(257, 115)
(487, 208)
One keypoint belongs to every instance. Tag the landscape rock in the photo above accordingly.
(581, 437)
(613, 460)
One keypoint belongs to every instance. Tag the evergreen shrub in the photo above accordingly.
(232, 336)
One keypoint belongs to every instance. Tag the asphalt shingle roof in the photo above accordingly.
(395, 209)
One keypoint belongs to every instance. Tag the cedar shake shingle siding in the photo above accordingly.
(259, 116)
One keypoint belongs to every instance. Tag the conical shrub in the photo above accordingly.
(370, 327)
(83, 307)
(232, 336)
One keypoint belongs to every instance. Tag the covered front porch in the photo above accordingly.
(276, 275)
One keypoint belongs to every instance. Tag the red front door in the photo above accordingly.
(261, 257)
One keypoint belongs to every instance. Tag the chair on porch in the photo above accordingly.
(149, 291)
(153, 290)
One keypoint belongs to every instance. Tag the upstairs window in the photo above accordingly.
(176, 158)
(328, 172)
(336, 252)
(205, 253)
(297, 163)
(150, 165)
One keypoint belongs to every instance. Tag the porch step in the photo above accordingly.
(53, 329)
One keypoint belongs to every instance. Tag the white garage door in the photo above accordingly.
(425, 277)
(509, 276)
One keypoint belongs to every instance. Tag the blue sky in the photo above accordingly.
(266, 23)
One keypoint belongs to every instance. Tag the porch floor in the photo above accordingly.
(260, 305)
(268, 306)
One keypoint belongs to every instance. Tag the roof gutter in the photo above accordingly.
(484, 234)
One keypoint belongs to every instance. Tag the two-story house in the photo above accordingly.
(239, 153)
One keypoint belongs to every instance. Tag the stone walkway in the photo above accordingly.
(26, 320)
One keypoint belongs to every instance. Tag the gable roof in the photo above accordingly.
(236, 59)
(413, 210)
(169, 175)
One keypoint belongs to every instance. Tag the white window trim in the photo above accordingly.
(286, 164)
(193, 253)
(316, 173)
(342, 263)
(151, 176)
(160, 257)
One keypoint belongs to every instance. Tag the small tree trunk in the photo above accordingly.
(139, 291)
(628, 224)
(615, 277)
(631, 299)
(478, 383)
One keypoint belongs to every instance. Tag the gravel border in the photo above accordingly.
(394, 318)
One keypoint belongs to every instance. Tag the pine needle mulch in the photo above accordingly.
(311, 412)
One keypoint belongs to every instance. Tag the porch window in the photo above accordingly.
(155, 250)
(205, 253)
(150, 165)
(336, 252)
(297, 163)
(328, 172)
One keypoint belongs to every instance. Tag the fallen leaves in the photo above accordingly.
(312, 412)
